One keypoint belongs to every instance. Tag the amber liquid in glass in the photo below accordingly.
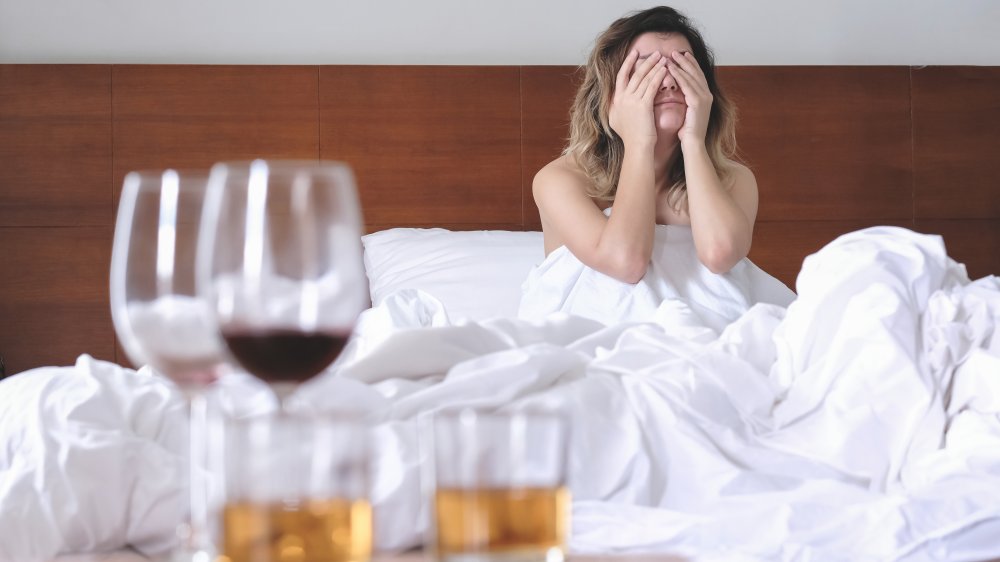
(335, 530)
(503, 521)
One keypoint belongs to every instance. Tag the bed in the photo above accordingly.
(837, 149)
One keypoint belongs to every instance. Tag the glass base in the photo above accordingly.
(550, 555)
(191, 547)
(188, 554)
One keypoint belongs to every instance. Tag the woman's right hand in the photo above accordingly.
(631, 111)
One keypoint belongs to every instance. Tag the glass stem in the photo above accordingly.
(282, 391)
(197, 536)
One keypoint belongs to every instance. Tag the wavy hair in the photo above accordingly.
(595, 146)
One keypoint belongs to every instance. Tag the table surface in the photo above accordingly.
(636, 558)
(131, 556)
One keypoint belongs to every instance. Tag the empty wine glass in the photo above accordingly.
(158, 316)
(281, 266)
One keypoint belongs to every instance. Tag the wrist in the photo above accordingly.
(692, 146)
(639, 145)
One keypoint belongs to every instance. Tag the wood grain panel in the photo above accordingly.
(55, 145)
(826, 143)
(546, 99)
(193, 116)
(370, 228)
(71, 92)
(835, 149)
(780, 246)
(55, 302)
(976, 243)
(956, 142)
(428, 144)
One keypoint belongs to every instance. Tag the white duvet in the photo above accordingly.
(675, 280)
(859, 424)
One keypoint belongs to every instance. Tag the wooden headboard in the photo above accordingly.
(834, 149)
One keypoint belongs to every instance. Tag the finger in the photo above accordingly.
(656, 78)
(688, 84)
(622, 79)
(643, 70)
(682, 79)
(687, 61)
(695, 65)
(652, 77)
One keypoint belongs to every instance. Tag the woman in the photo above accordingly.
(651, 143)
(652, 137)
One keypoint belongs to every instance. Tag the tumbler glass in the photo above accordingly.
(296, 490)
(500, 491)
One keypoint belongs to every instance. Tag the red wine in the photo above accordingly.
(284, 355)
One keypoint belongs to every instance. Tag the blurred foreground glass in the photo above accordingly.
(281, 265)
(499, 482)
(158, 317)
(296, 490)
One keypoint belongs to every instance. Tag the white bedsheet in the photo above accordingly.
(125, 555)
(859, 424)
(90, 460)
(675, 275)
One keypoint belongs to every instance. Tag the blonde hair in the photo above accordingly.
(595, 146)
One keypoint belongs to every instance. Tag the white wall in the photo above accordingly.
(510, 32)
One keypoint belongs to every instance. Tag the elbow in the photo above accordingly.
(720, 258)
(629, 268)
(626, 264)
(633, 274)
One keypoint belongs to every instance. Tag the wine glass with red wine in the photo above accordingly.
(281, 264)
(158, 316)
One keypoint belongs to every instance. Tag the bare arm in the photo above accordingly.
(621, 245)
(618, 246)
(721, 220)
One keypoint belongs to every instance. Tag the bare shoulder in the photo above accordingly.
(569, 215)
(743, 187)
(560, 185)
(741, 176)
(560, 175)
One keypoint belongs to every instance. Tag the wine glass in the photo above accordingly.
(158, 316)
(280, 263)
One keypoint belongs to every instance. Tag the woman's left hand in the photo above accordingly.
(683, 67)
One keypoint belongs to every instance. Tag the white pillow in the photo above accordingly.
(476, 275)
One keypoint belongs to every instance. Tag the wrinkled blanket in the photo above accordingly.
(675, 277)
(860, 423)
